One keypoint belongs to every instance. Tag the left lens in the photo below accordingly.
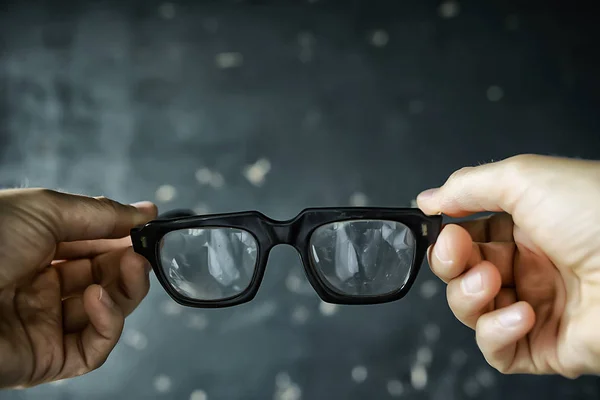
(211, 263)
(363, 257)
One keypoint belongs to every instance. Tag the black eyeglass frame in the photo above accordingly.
(295, 232)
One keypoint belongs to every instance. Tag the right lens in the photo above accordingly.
(363, 257)
(209, 263)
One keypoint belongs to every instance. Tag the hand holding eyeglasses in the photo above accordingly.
(527, 279)
(68, 278)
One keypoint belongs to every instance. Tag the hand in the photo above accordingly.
(528, 278)
(68, 278)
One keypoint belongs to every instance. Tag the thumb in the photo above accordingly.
(493, 187)
(76, 217)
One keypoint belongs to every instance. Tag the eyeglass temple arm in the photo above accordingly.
(177, 213)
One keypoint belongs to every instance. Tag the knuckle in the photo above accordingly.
(40, 209)
(505, 363)
(504, 369)
(103, 199)
(41, 197)
(143, 292)
(518, 172)
(451, 295)
(105, 202)
(111, 207)
(520, 166)
(97, 363)
(524, 158)
(459, 174)
(146, 288)
(95, 357)
(109, 204)
(43, 192)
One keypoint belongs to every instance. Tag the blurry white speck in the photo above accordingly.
(169, 307)
(429, 289)
(204, 176)
(395, 388)
(135, 339)
(306, 55)
(202, 209)
(59, 383)
(512, 22)
(413, 203)
(211, 25)
(359, 199)
(494, 93)
(485, 377)
(217, 180)
(282, 380)
(297, 284)
(293, 283)
(449, 9)
(229, 60)
(198, 322)
(285, 389)
(424, 355)
(165, 193)
(379, 38)
(458, 357)
(291, 392)
(306, 39)
(327, 309)
(300, 315)
(167, 10)
(257, 172)
(471, 387)
(198, 394)
(162, 383)
(416, 106)
(312, 119)
(359, 374)
(432, 332)
(418, 376)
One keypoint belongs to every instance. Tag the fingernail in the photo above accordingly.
(472, 283)
(427, 194)
(442, 252)
(105, 298)
(144, 206)
(429, 250)
(510, 318)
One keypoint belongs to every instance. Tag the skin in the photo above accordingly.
(68, 279)
(527, 279)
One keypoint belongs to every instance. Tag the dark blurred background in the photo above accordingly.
(277, 106)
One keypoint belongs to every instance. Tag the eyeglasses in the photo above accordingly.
(350, 255)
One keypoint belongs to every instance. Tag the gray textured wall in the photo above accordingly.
(350, 102)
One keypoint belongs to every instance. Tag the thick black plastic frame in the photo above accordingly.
(295, 232)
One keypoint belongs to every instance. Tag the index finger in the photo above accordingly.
(491, 187)
(76, 217)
